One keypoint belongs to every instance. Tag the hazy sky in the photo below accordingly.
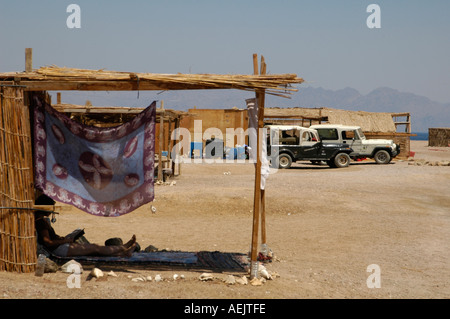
(327, 42)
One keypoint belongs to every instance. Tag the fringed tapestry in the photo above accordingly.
(102, 171)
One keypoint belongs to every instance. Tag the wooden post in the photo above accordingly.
(169, 147)
(172, 145)
(28, 60)
(58, 98)
(161, 137)
(261, 103)
(177, 127)
(257, 202)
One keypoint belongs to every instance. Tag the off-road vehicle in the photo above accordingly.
(287, 144)
(382, 151)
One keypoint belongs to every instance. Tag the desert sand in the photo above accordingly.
(325, 227)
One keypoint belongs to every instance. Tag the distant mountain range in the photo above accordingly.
(424, 112)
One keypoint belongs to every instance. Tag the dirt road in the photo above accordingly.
(325, 227)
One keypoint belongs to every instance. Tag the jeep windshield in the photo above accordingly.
(361, 134)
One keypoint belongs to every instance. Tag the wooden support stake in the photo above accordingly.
(161, 137)
(258, 193)
(178, 147)
(28, 60)
(261, 103)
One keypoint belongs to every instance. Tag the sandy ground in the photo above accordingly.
(325, 227)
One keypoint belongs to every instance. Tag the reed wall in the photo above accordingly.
(17, 230)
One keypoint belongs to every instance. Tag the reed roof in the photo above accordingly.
(368, 121)
(53, 78)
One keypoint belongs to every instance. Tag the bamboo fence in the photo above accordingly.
(17, 230)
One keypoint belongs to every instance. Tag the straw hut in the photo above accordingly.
(17, 193)
(439, 137)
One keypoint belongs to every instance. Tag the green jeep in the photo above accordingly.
(287, 144)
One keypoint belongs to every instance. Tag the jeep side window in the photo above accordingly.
(306, 137)
(289, 137)
(328, 134)
(348, 135)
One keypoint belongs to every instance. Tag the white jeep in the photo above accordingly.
(382, 151)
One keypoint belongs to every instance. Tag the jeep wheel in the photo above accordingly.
(341, 160)
(382, 157)
(284, 161)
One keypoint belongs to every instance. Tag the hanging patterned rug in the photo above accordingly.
(102, 171)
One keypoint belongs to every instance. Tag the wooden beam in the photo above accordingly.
(28, 60)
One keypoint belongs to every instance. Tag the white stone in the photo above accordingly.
(96, 273)
(206, 276)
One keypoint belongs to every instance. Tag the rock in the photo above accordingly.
(175, 277)
(149, 278)
(138, 279)
(96, 273)
(50, 266)
(206, 277)
(265, 274)
(67, 268)
(275, 275)
(158, 278)
(112, 274)
(256, 282)
(242, 280)
(230, 280)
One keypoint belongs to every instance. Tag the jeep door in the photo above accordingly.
(352, 138)
(309, 146)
